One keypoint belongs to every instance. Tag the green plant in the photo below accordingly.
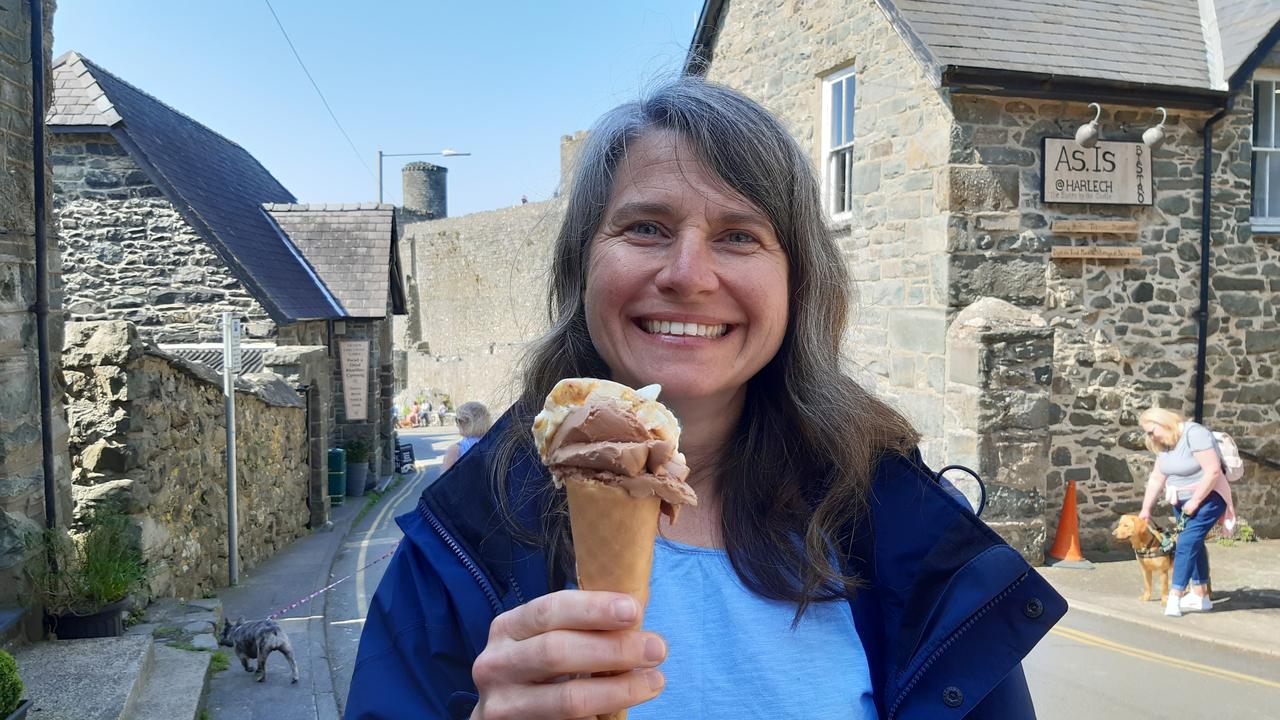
(99, 567)
(219, 661)
(374, 497)
(203, 714)
(357, 451)
(10, 684)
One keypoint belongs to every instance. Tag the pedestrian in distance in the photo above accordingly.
(414, 411)
(824, 572)
(441, 410)
(426, 415)
(473, 422)
(1189, 465)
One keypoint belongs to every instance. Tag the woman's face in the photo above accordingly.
(687, 283)
(1159, 434)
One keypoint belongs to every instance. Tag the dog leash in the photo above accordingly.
(332, 585)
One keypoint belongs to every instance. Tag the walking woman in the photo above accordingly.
(1189, 462)
(824, 573)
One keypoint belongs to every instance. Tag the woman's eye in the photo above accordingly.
(740, 238)
(645, 228)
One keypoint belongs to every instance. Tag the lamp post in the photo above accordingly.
(447, 152)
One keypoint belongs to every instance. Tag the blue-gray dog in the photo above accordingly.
(257, 640)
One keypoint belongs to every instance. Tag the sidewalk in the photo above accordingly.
(1246, 597)
(298, 570)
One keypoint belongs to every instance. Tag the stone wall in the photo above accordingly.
(376, 429)
(896, 234)
(309, 366)
(1126, 331)
(21, 456)
(129, 255)
(478, 285)
(148, 432)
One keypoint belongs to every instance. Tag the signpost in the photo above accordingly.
(231, 365)
(1095, 227)
(354, 355)
(1109, 173)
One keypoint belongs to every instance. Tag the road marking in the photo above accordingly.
(362, 601)
(353, 621)
(1089, 639)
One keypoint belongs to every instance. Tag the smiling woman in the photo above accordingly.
(823, 571)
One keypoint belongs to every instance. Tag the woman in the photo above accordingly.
(824, 573)
(1188, 461)
(473, 422)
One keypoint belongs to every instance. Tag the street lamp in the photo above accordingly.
(447, 152)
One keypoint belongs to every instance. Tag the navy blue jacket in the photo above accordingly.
(949, 613)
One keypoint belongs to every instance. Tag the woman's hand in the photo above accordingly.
(1189, 507)
(1145, 515)
(531, 665)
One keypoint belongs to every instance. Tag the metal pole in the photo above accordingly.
(41, 306)
(379, 177)
(230, 331)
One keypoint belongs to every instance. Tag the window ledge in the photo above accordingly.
(1265, 226)
(843, 222)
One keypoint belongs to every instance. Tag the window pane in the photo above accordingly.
(848, 109)
(1260, 183)
(837, 112)
(1264, 132)
(838, 175)
(1272, 186)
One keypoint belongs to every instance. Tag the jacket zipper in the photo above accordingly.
(951, 640)
(467, 562)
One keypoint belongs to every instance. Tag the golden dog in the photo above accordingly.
(1147, 549)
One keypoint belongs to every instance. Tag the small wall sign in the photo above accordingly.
(1085, 252)
(354, 355)
(1095, 227)
(1109, 173)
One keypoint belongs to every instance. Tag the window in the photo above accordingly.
(1266, 154)
(837, 141)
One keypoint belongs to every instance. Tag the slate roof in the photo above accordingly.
(1189, 49)
(352, 247)
(251, 358)
(215, 184)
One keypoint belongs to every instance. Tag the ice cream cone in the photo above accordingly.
(613, 535)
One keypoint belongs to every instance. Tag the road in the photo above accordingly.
(375, 535)
(1088, 667)
(1092, 666)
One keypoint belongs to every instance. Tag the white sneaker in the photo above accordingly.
(1192, 602)
(1172, 608)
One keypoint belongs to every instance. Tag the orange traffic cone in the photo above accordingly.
(1066, 544)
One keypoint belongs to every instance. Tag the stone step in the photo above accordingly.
(97, 679)
(177, 685)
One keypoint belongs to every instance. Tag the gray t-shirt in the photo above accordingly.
(1180, 464)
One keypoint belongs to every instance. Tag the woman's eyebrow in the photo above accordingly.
(643, 208)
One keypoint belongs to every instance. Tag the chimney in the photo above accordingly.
(424, 189)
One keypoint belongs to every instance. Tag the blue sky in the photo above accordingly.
(502, 80)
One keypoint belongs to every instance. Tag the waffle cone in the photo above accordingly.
(613, 535)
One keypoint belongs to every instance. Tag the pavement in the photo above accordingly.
(324, 640)
(1246, 596)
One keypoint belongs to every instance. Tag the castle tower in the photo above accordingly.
(424, 189)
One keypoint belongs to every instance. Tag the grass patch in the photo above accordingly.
(1244, 534)
(203, 714)
(186, 645)
(220, 661)
(376, 496)
(167, 632)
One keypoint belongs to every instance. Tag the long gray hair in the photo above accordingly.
(801, 459)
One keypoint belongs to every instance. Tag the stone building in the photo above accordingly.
(944, 133)
(22, 477)
(168, 225)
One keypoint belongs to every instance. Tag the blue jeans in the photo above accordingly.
(1191, 560)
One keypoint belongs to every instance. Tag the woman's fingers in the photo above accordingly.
(566, 610)
(579, 698)
(572, 652)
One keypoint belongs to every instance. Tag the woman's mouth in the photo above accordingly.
(692, 329)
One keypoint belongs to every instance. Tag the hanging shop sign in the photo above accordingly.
(354, 355)
(1094, 227)
(1109, 173)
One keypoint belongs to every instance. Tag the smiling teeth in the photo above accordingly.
(665, 327)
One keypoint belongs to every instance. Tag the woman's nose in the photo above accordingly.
(690, 266)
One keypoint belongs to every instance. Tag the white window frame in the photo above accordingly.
(839, 204)
(1269, 81)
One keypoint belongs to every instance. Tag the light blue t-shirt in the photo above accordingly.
(732, 655)
(1179, 463)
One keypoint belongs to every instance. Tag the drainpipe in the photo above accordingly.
(1205, 205)
(41, 308)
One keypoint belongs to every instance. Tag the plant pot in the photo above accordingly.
(357, 474)
(21, 712)
(107, 622)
